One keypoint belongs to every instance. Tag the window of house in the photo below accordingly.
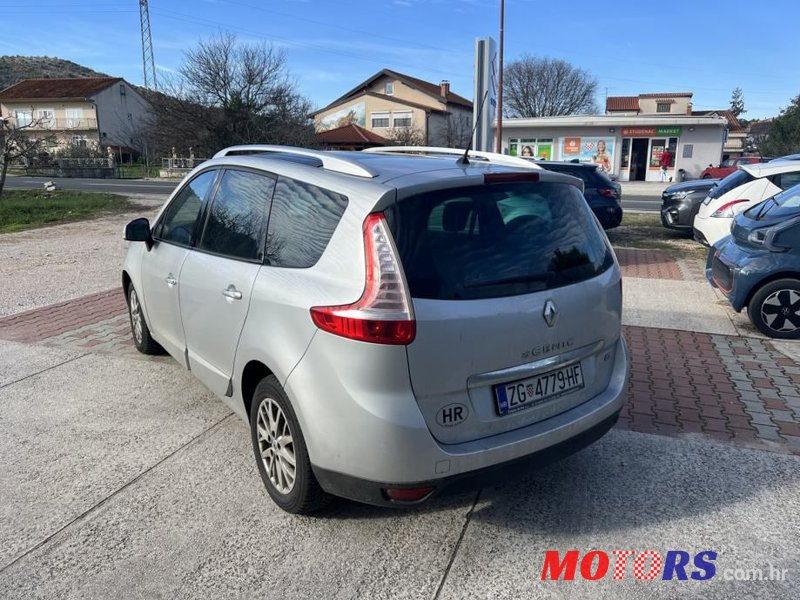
(46, 117)
(380, 119)
(121, 89)
(301, 222)
(78, 141)
(663, 107)
(388, 88)
(24, 117)
(402, 119)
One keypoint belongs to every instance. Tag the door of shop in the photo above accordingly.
(639, 159)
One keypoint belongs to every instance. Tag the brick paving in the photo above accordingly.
(735, 389)
(649, 264)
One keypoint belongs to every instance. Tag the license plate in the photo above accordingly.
(525, 393)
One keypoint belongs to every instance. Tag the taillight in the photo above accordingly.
(726, 210)
(383, 313)
(607, 192)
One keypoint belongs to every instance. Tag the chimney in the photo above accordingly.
(444, 88)
(689, 108)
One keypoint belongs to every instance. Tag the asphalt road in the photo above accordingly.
(630, 201)
(115, 186)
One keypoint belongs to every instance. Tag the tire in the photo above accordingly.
(142, 339)
(775, 309)
(706, 176)
(272, 421)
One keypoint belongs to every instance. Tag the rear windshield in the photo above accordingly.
(785, 204)
(497, 240)
(732, 181)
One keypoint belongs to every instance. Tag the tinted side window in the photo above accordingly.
(301, 223)
(178, 223)
(238, 215)
(787, 180)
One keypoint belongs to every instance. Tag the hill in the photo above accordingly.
(16, 68)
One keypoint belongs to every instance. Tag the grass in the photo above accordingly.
(28, 209)
(641, 230)
(137, 171)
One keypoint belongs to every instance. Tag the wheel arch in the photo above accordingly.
(767, 280)
(253, 372)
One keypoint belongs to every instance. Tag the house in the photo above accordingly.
(402, 109)
(736, 137)
(661, 103)
(87, 111)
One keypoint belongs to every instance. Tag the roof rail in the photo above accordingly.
(490, 157)
(328, 161)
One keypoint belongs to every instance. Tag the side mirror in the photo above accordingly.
(138, 230)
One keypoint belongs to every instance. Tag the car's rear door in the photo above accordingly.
(217, 277)
(174, 234)
(513, 286)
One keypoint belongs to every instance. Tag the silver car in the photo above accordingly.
(389, 324)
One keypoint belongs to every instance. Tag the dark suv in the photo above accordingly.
(602, 194)
(681, 201)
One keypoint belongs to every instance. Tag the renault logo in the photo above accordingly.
(550, 313)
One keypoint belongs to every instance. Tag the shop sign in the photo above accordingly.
(638, 131)
(652, 131)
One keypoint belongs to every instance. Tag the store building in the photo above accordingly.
(630, 146)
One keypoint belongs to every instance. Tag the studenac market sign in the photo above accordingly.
(652, 131)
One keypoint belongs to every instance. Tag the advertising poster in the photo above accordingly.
(351, 114)
(599, 151)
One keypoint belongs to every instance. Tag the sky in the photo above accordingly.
(631, 47)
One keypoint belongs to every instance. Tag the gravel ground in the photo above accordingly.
(53, 264)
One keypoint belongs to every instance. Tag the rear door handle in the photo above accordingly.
(232, 293)
(171, 281)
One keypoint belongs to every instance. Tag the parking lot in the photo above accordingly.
(123, 476)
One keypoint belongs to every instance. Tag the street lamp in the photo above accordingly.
(499, 138)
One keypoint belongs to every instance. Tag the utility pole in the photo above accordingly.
(499, 138)
(148, 62)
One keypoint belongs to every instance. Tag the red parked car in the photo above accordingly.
(729, 166)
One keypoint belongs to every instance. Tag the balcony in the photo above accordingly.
(68, 124)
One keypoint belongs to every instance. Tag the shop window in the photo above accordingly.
(626, 151)
(663, 107)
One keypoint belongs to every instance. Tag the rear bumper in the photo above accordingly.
(371, 492)
(358, 447)
(609, 216)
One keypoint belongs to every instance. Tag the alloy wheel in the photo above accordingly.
(781, 310)
(276, 446)
(136, 317)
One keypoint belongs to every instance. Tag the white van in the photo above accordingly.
(745, 187)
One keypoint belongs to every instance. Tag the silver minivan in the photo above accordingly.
(389, 324)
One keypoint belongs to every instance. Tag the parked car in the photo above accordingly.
(389, 325)
(758, 266)
(729, 166)
(787, 157)
(748, 186)
(681, 201)
(602, 194)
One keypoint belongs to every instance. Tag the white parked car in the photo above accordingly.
(746, 187)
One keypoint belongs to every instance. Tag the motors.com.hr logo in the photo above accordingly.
(676, 565)
(646, 565)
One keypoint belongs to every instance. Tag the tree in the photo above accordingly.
(18, 142)
(547, 87)
(406, 136)
(784, 132)
(456, 130)
(228, 93)
(737, 103)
